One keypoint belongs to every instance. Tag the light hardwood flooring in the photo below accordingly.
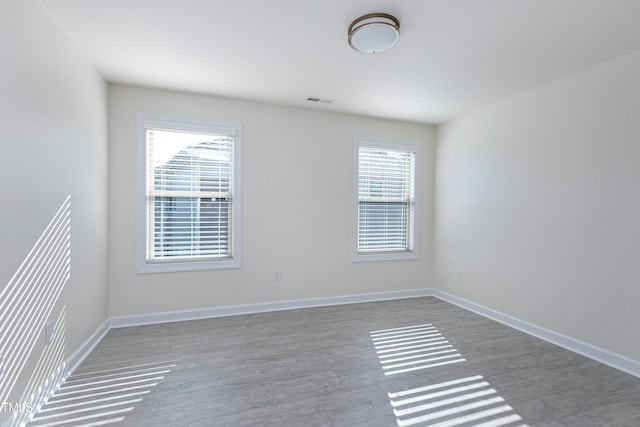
(347, 365)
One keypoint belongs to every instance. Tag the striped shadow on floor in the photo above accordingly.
(102, 397)
(453, 403)
(413, 348)
(469, 401)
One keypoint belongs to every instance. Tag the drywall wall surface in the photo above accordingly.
(53, 182)
(537, 203)
(296, 207)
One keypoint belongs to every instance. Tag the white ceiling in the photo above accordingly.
(453, 56)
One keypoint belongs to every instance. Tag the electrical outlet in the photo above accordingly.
(49, 331)
(460, 275)
(277, 277)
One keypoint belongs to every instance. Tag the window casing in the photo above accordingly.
(189, 195)
(385, 205)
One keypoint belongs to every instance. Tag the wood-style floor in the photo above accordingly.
(412, 362)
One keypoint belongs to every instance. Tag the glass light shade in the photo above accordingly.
(374, 33)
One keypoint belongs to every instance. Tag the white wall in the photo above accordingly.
(537, 199)
(53, 135)
(297, 167)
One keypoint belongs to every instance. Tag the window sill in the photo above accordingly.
(384, 256)
(170, 267)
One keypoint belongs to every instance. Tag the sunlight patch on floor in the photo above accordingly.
(101, 397)
(453, 403)
(413, 348)
(459, 402)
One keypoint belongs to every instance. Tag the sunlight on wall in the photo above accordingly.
(27, 303)
(51, 366)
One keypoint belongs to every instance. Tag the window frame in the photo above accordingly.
(143, 265)
(391, 255)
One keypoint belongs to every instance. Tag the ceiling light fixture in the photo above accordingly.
(374, 33)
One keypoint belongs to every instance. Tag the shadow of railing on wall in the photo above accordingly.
(27, 304)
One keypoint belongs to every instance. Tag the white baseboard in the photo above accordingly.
(87, 347)
(598, 354)
(67, 366)
(234, 310)
(606, 357)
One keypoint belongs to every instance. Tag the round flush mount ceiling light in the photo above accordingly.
(374, 33)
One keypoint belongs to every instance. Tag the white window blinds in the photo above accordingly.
(190, 194)
(386, 193)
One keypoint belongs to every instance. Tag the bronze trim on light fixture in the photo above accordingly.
(375, 15)
(384, 20)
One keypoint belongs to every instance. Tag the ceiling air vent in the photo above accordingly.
(320, 100)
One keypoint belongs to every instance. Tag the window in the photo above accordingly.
(189, 201)
(384, 200)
